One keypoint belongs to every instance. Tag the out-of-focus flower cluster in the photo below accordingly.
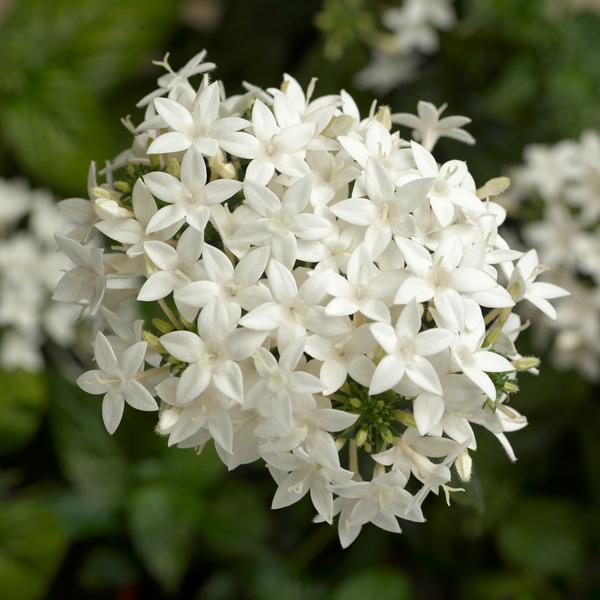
(558, 194)
(326, 296)
(411, 31)
(30, 267)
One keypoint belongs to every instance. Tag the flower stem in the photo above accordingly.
(151, 372)
(353, 454)
(169, 314)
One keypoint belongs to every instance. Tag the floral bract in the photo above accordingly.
(327, 298)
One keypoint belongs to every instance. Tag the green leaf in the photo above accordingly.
(506, 586)
(107, 568)
(23, 399)
(57, 128)
(32, 545)
(59, 60)
(542, 535)
(381, 582)
(236, 522)
(98, 42)
(90, 458)
(163, 522)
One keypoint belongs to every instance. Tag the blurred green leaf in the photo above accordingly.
(23, 399)
(107, 568)
(57, 128)
(270, 580)
(542, 535)
(163, 522)
(82, 517)
(100, 42)
(382, 583)
(506, 586)
(90, 458)
(59, 59)
(236, 522)
(31, 548)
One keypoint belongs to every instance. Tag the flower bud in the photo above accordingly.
(525, 363)
(162, 326)
(361, 437)
(464, 466)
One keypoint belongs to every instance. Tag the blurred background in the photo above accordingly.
(87, 515)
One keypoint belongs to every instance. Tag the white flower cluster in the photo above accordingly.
(559, 188)
(30, 268)
(333, 301)
(413, 31)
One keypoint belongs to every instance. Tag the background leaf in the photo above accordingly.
(23, 399)
(31, 548)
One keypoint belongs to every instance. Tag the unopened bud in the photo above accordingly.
(510, 388)
(405, 418)
(162, 326)
(339, 126)
(355, 402)
(464, 466)
(110, 209)
(219, 168)
(153, 341)
(525, 363)
(167, 419)
(172, 167)
(493, 187)
(122, 186)
(361, 437)
(384, 116)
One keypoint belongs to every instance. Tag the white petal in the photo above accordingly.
(138, 397)
(228, 379)
(113, 405)
(427, 411)
(387, 374)
(183, 345)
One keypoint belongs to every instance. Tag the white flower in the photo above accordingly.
(281, 222)
(342, 356)
(429, 128)
(523, 284)
(237, 286)
(132, 231)
(363, 289)
(175, 267)
(201, 127)
(379, 501)
(447, 193)
(116, 379)
(281, 385)
(387, 211)
(212, 354)
(190, 198)
(435, 276)
(293, 309)
(85, 284)
(406, 347)
(305, 475)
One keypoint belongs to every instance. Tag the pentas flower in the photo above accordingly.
(561, 181)
(335, 303)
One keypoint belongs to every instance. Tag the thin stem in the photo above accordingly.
(353, 455)
(152, 372)
(169, 314)
(492, 336)
(491, 316)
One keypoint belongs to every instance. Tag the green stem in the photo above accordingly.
(169, 314)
